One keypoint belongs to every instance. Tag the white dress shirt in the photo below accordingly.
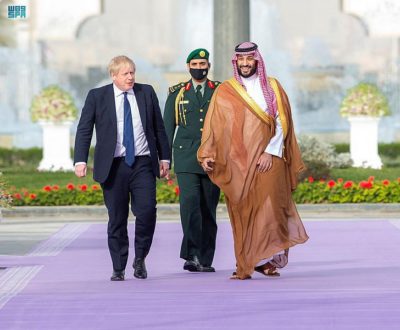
(253, 87)
(141, 146)
(202, 84)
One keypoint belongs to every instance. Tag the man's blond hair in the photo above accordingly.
(119, 61)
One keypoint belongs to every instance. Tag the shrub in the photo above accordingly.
(168, 191)
(56, 196)
(5, 197)
(20, 157)
(341, 191)
(390, 150)
(308, 191)
(319, 157)
(342, 147)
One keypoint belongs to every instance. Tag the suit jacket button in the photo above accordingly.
(180, 147)
(201, 110)
(201, 130)
(201, 119)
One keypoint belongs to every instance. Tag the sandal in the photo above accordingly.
(267, 270)
(236, 277)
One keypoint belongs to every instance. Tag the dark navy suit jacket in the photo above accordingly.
(99, 112)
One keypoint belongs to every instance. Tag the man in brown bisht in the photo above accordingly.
(250, 151)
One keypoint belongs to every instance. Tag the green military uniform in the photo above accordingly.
(184, 115)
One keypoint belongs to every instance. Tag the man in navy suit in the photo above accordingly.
(131, 150)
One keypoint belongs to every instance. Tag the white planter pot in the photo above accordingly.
(56, 147)
(364, 141)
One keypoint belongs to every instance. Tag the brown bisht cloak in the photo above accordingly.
(263, 215)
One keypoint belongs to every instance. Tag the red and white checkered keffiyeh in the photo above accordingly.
(250, 48)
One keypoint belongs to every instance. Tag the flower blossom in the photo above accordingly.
(366, 184)
(177, 190)
(348, 184)
(331, 183)
(47, 188)
(83, 187)
(70, 186)
(95, 187)
(17, 196)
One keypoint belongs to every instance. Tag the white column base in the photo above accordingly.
(364, 141)
(56, 147)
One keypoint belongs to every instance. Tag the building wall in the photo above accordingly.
(311, 46)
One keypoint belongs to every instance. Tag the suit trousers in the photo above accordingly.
(198, 201)
(137, 185)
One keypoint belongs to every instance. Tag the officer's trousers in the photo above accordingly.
(198, 204)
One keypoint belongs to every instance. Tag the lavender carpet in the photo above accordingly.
(347, 276)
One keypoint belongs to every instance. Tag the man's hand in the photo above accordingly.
(207, 164)
(80, 170)
(264, 163)
(164, 170)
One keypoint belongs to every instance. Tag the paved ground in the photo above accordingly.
(54, 274)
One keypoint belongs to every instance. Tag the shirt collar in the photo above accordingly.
(195, 84)
(118, 92)
(251, 78)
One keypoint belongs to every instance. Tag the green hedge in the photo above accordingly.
(390, 150)
(20, 157)
(32, 156)
(27, 157)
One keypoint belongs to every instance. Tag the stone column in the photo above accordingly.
(231, 27)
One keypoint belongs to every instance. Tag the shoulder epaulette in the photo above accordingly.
(176, 87)
(213, 84)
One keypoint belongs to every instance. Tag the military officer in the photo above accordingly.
(185, 110)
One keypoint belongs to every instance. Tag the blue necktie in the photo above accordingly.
(128, 142)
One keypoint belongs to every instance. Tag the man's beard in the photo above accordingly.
(252, 71)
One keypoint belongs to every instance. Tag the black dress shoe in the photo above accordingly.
(118, 276)
(208, 269)
(140, 268)
(192, 264)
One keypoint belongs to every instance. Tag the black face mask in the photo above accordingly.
(198, 74)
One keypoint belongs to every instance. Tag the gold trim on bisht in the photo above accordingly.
(256, 109)
(281, 111)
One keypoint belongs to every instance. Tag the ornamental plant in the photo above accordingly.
(53, 104)
(5, 197)
(309, 191)
(364, 100)
(319, 157)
